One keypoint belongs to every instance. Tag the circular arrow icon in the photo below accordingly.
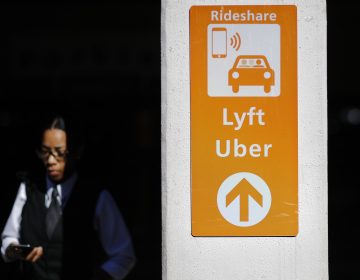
(244, 199)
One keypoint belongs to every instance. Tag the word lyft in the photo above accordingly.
(237, 121)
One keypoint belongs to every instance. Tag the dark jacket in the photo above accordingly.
(74, 252)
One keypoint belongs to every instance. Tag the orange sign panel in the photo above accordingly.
(244, 131)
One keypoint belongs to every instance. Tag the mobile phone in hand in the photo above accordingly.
(21, 250)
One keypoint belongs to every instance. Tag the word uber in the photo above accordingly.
(232, 146)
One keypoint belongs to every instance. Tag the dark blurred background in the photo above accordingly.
(98, 63)
(344, 138)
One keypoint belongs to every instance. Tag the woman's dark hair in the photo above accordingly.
(58, 123)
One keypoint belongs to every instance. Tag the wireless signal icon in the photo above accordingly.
(235, 41)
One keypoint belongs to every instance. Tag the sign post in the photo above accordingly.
(244, 126)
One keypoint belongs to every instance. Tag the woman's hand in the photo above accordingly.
(35, 254)
(16, 253)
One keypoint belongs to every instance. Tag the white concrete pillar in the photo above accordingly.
(302, 257)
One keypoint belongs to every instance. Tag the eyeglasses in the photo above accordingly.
(44, 154)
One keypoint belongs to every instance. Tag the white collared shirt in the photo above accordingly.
(108, 222)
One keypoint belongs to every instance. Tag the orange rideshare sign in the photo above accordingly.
(244, 127)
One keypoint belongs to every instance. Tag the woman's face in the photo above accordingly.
(53, 151)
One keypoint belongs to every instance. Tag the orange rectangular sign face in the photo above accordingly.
(244, 131)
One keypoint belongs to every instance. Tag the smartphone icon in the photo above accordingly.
(219, 42)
